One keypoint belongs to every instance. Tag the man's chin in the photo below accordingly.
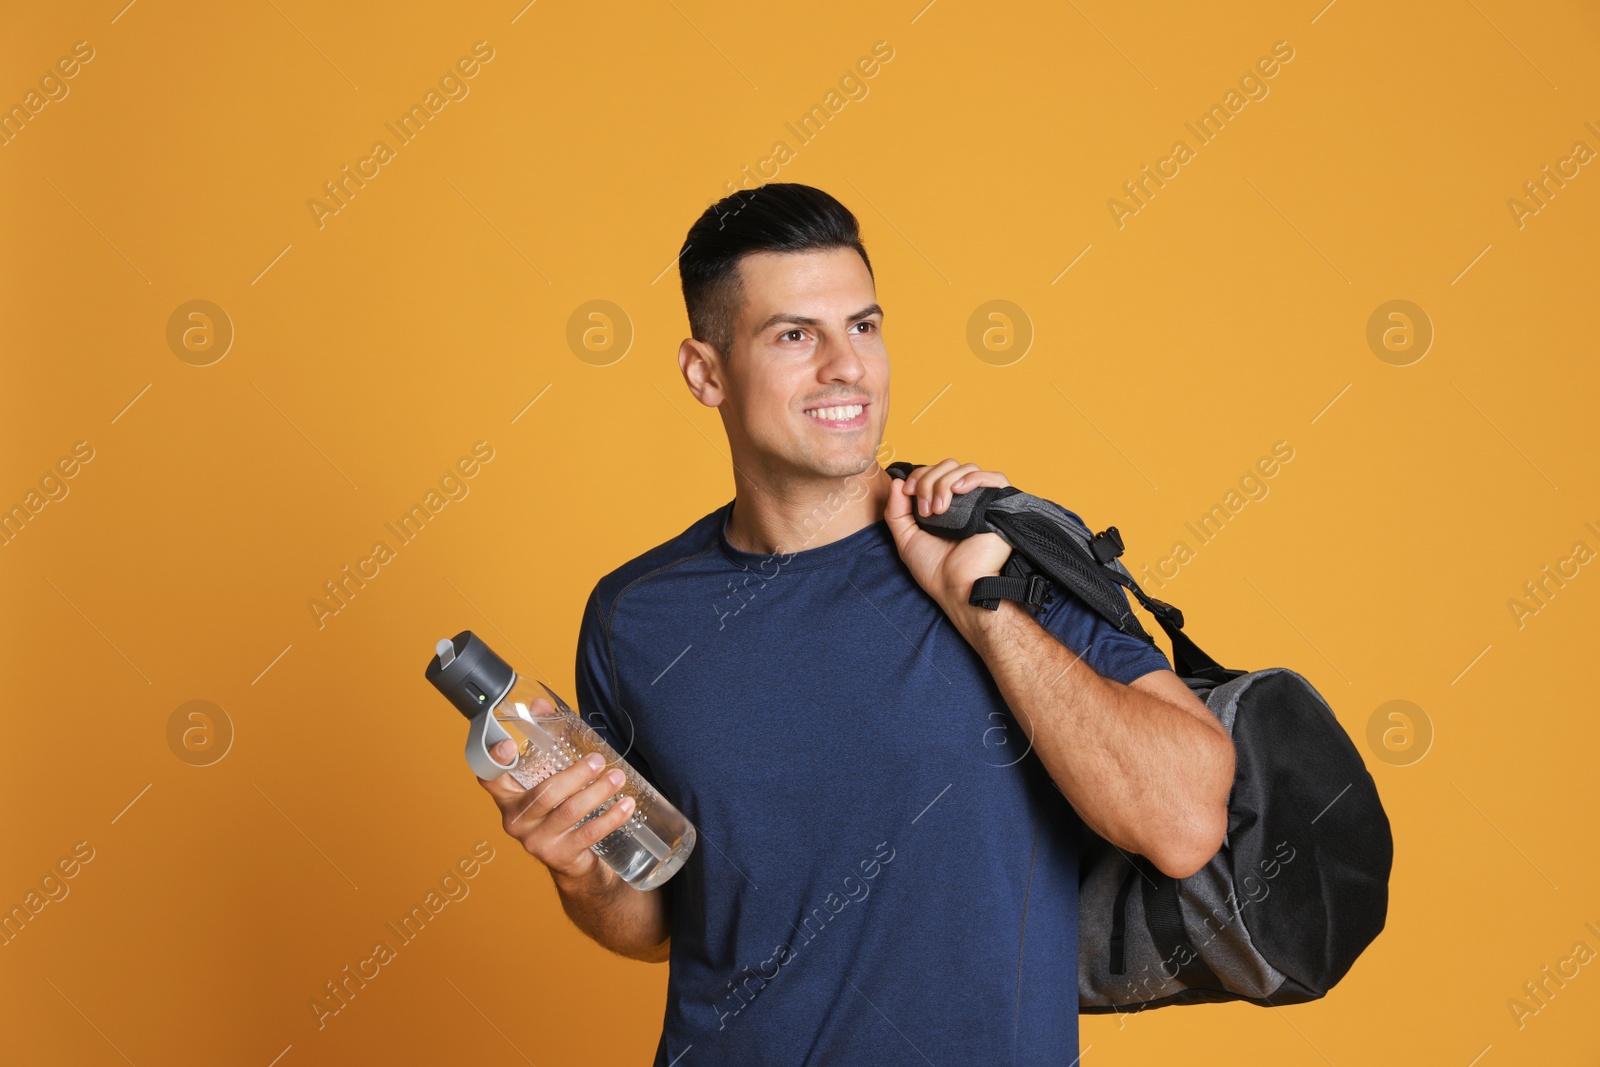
(848, 464)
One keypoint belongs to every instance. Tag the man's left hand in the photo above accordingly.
(944, 568)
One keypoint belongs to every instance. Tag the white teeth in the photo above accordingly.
(839, 414)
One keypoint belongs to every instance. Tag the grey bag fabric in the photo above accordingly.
(1300, 885)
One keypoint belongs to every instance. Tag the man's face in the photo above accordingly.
(807, 387)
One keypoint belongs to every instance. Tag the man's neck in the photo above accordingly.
(806, 515)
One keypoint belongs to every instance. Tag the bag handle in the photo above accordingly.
(1084, 574)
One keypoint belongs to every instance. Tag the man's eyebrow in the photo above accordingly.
(803, 320)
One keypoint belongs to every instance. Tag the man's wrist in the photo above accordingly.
(597, 883)
(978, 624)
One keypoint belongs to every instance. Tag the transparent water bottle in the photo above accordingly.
(646, 850)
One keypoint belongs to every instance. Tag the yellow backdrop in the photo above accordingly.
(276, 273)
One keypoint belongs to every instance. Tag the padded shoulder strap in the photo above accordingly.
(1069, 565)
(1085, 565)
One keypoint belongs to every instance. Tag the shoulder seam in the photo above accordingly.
(605, 622)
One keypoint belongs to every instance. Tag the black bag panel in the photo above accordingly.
(1296, 893)
(1291, 992)
(1313, 850)
(1126, 961)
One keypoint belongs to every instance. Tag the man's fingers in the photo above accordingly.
(529, 806)
(565, 815)
(899, 504)
(505, 788)
(968, 482)
(902, 526)
(918, 474)
(923, 480)
(547, 825)
(577, 839)
(936, 490)
(544, 818)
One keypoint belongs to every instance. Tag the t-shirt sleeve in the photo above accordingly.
(599, 703)
(1112, 653)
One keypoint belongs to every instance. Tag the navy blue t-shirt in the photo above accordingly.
(884, 873)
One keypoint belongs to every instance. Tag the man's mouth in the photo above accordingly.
(840, 416)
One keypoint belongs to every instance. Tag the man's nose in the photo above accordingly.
(840, 362)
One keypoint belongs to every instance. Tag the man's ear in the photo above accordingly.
(702, 370)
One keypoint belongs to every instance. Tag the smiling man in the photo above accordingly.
(887, 781)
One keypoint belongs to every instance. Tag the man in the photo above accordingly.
(880, 772)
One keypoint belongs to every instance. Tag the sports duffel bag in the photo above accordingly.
(1301, 884)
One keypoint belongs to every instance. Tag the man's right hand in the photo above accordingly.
(543, 818)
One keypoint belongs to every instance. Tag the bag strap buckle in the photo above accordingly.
(1107, 545)
(1034, 591)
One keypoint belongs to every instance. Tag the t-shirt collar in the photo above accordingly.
(871, 536)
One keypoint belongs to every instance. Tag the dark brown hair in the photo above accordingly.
(778, 217)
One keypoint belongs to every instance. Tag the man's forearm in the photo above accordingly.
(1145, 774)
(628, 921)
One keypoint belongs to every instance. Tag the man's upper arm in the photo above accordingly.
(1167, 686)
(1110, 652)
(1118, 656)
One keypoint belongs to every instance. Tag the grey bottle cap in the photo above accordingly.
(469, 674)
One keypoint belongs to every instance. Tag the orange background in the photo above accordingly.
(370, 353)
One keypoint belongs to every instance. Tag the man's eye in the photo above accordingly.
(801, 334)
(868, 324)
